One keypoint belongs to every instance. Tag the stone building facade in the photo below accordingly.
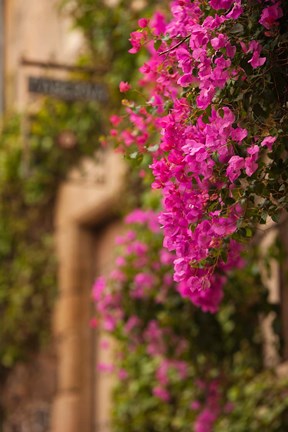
(61, 390)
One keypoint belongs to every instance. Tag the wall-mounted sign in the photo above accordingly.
(68, 90)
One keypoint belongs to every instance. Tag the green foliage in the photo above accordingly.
(225, 348)
(148, 412)
(253, 404)
(107, 30)
(260, 104)
(260, 404)
(31, 168)
(34, 159)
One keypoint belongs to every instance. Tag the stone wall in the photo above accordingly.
(34, 29)
(58, 391)
(84, 208)
(28, 393)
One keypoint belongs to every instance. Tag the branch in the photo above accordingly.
(175, 46)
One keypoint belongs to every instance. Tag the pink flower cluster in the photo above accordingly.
(125, 316)
(135, 278)
(210, 411)
(162, 375)
(197, 156)
(271, 14)
(145, 280)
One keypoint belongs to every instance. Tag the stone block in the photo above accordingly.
(68, 314)
(69, 363)
(65, 413)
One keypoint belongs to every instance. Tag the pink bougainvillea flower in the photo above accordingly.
(205, 421)
(124, 87)
(219, 41)
(270, 15)
(236, 11)
(206, 96)
(224, 226)
(98, 288)
(195, 405)
(122, 374)
(143, 22)
(244, 47)
(137, 39)
(239, 134)
(93, 323)
(256, 60)
(221, 4)
(109, 323)
(158, 23)
(251, 161)
(268, 142)
(235, 164)
(115, 120)
(105, 367)
(161, 393)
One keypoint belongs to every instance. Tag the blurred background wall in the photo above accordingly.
(60, 389)
(34, 31)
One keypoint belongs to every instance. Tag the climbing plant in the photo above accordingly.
(179, 368)
(210, 133)
(214, 128)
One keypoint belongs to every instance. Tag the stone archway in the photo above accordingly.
(83, 205)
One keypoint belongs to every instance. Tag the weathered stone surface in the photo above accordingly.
(65, 416)
(68, 314)
(85, 244)
(27, 395)
(69, 362)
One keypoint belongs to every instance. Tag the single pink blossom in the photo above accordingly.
(268, 142)
(105, 367)
(137, 39)
(256, 60)
(235, 164)
(158, 23)
(143, 22)
(161, 393)
(239, 134)
(270, 15)
(251, 164)
(122, 374)
(236, 11)
(93, 323)
(115, 120)
(195, 405)
(221, 4)
(219, 41)
(124, 87)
